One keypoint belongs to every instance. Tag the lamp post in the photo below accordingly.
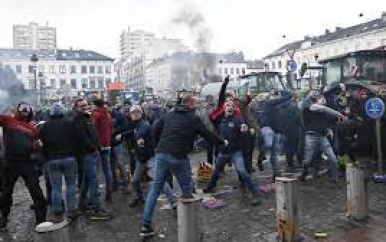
(34, 59)
(41, 87)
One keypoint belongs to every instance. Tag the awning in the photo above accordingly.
(116, 86)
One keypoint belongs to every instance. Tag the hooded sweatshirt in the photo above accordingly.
(104, 126)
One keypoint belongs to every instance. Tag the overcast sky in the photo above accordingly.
(252, 26)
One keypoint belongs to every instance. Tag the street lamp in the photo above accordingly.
(34, 59)
(41, 88)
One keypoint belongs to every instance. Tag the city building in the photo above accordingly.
(188, 70)
(134, 41)
(34, 36)
(132, 69)
(63, 71)
(310, 50)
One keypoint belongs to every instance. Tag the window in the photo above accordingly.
(108, 81)
(84, 69)
(237, 71)
(108, 69)
(73, 83)
(92, 83)
(226, 71)
(243, 71)
(19, 69)
(100, 83)
(100, 69)
(84, 83)
(31, 84)
(92, 69)
(53, 83)
(219, 71)
(273, 66)
(62, 69)
(51, 69)
(279, 65)
(62, 82)
(31, 69)
(73, 69)
(41, 68)
(232, 70)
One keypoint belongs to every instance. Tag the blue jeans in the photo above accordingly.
(106, 166)
(171, 197)
(68, 168)
(237, 159)
(270, 140)
(119, 162)
(90, 181)
(164, 165)
(140, 169)
(320, 144)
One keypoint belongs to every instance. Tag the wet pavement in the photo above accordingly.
(321, 209)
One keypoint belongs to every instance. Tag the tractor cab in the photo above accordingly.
(261, 83)
(363, 74)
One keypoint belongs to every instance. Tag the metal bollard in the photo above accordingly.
(287, 218)
(357, 201)
(187, 221)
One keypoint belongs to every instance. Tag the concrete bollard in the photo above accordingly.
(287, 218)
(357, 201)
(187, 221)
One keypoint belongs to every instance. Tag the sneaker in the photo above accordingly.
(3, 221)
(58, 218)
(73, 214)
(100, 214)
(256, 201)
(208, 190)
(260, 160)
(147, 231)
(136, 202)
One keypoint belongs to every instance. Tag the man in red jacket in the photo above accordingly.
(20, 139)
(104, 126)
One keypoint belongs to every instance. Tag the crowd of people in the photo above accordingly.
(153, 142)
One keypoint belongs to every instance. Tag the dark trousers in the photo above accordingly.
(80, 161)
(27, 171)
(249, 142)
(210, 150)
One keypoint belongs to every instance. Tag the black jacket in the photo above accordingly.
(86, 134)
(59, 138)
(142, 130)
(176, 131)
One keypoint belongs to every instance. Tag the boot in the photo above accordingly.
(210, 187)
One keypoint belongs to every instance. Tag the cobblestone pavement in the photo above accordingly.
(321, 208)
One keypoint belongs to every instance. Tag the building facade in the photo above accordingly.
(134, 41)
(310, 50)
(34, 36)
(59, 71)
(132, 69)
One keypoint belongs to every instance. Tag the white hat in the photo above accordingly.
(136, 108)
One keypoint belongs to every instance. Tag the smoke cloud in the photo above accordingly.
(12, 91)
(191, 18)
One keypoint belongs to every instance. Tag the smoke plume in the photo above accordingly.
(12, 91)
(191, 18)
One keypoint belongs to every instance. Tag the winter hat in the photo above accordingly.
(57, 110)
(136, 108)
